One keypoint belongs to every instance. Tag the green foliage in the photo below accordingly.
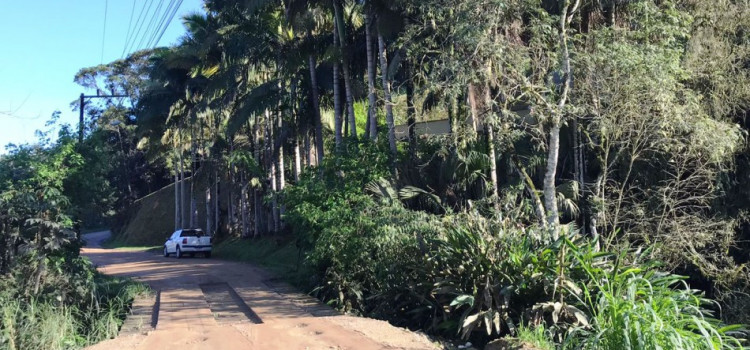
(653, 126)
(50, 297)
(634, 306)
(538, 337)
(660, 140)
(496, 273)
(282, 257)
(479, 277)
(336, 185)
(74, 306)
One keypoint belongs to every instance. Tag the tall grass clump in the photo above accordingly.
(67, 305)
(633, 305)
(37, 325)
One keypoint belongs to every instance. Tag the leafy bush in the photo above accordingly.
(65, 304)
(483, 276)
(410, 266)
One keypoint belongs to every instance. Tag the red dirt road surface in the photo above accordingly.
(215, 304)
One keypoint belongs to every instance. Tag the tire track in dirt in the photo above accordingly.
(200, 306)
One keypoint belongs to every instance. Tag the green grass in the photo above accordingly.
(93, 229)
(279, 256)
(537, 337)
(638, 307)
(46, 324)
(117, 243)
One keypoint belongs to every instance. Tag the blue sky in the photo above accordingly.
(44, 44)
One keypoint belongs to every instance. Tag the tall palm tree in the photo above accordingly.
(340, 27)
(372, 123)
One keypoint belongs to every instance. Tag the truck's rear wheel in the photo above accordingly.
(166, 253)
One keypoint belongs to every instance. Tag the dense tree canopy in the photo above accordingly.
(611, 125)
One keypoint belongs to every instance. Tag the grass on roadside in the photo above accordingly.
(279, 256)
(116, 243)
(93, 229)
(47, 324)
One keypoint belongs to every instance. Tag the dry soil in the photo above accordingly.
(185, 319)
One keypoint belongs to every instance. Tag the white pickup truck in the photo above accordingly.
(188, 241)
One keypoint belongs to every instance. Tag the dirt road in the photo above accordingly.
(214, 304)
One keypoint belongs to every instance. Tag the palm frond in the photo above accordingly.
(427, 199)
(567, 197)
(259, 98)
(383, 189)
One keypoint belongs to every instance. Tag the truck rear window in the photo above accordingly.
(192, 233)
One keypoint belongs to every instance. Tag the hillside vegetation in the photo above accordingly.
(592, 191)
(50, 297)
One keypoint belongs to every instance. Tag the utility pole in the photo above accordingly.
(80, 120)
(82, 103)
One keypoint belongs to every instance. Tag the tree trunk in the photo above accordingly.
(177, 221)
(217, 218)
(271, 168)
(372, 116)
(472, 99)
(341, 27)
(578, 173)
(274, 200)
(314, 150)
(309, 152)
(230, 190)
(550, 200)
(488, 122)
(280, 171)
(209, 225)
(337, 112)
(182, 191)
(387, 95)
(316, 110)
(125, 165)
(256, 214)
(451, 117)
(297, 159)
(550, 193)
(243, 205)
(411, 111)
(350, 101)
(493, 160)
(193, 204)
(531, 189)
(453, 114)
(345, 127)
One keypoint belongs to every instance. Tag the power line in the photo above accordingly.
(149, 34)
(147, 21)
(136, 27)
(104, 31)
(130, 25)
(165, 23)
(159, 25)
(138, 31)
(151, 23)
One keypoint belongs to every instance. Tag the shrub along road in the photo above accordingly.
(215, 304)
